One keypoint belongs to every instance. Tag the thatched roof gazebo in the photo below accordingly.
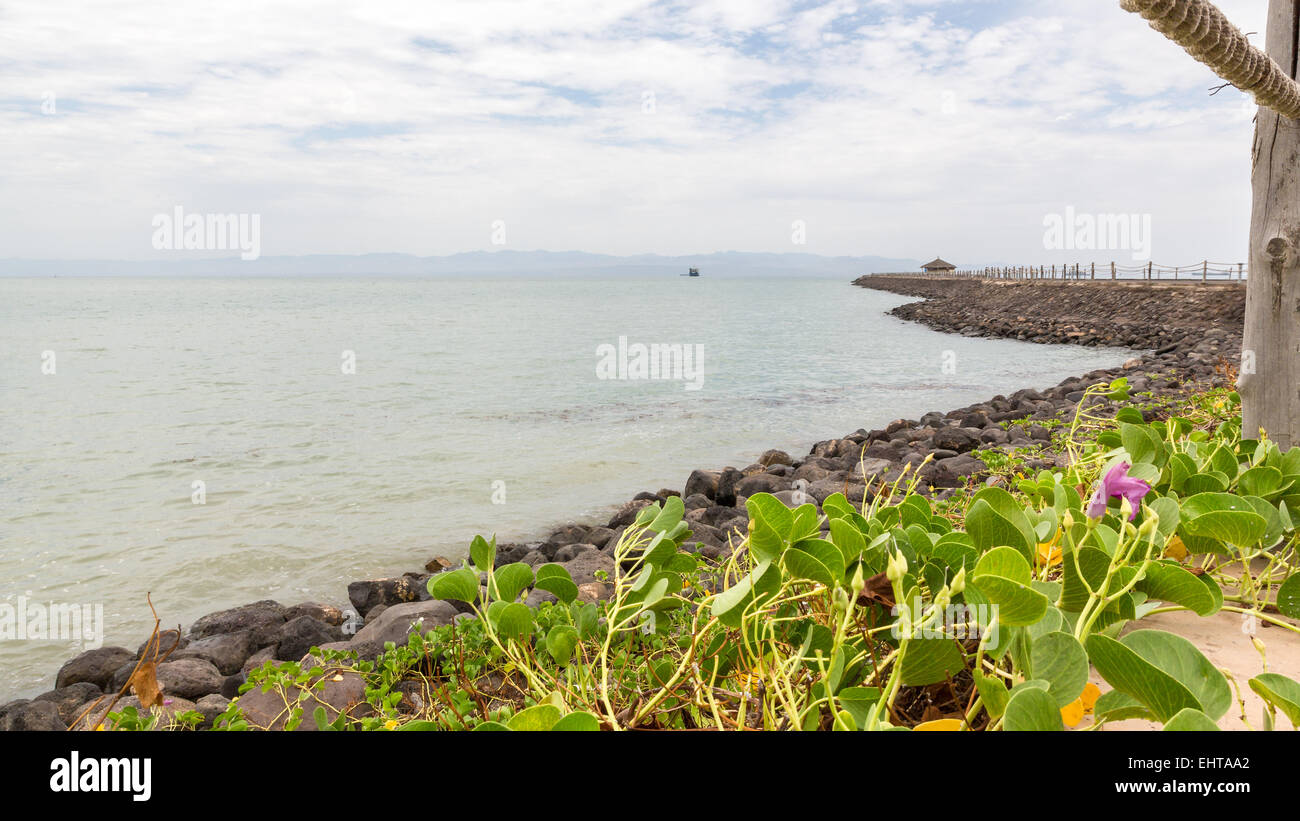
(938, 267)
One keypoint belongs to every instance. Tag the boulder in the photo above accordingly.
(594, 591)
(189, 678)
(211, 707)
(368, 594)
(726, 494)
(95, 666)
(821, 489)
(258, 659)
(868, 470)
(327, 613)
(583, 568)
(703, 482)
(71, 700)
(570, 552)
(537, 597)
(775, 457)
(955, 439)
(33, 716)
(253, 616)
(398, 621)
(230, 685)
(695, 501)
(599, 536)
(297, 637)
(506, 554)
(166, 712)
(626, 514)
(761, 483)
(337, 693)
(810, 472)
(226, 652)
(167, 639)
(569, 534)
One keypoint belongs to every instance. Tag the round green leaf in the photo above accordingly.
(1280, 691)
(1163, 672)
(514, 620)
(457, 585)
(512, 580)
(1032, 710)
(577, 722)
(539, 717)
(561, 642)
(1059, 659)
(1288, 597)
(1191, 721)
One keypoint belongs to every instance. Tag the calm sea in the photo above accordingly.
(219, 441)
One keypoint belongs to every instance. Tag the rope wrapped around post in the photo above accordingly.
(1207, 34)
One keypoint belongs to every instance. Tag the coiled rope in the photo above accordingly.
(1207, 34)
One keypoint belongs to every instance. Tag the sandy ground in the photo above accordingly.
(1224, 640)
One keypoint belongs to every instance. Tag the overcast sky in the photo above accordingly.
(900, 128)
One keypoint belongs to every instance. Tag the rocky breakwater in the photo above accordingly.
(1127, 314)
(1189, 333)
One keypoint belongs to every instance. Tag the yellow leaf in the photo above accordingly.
(1175, 549)
(1048, 553)
(1074, 712)
(1091, 693)
(940, 725)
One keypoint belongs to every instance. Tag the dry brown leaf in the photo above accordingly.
(144, 683)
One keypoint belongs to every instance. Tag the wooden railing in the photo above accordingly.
(1205, 271)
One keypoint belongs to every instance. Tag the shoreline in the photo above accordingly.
(1187, 331)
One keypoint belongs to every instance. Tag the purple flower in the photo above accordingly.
(1117, 482)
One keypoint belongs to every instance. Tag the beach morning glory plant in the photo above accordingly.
(1117, 483)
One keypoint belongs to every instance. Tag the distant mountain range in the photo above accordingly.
(477, 263)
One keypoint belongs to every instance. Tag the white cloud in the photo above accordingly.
(895, 128)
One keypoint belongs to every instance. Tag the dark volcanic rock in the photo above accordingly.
(226, 652)
(248, 617)
(33, 716)
(704, 482)
(94, 666)
(368, 594)
(762, 483)
(189, 678)
(955, 439)
(726, 493)
(398, 621)
(71, 700)
(267, 711)
(297, 637)
(583, 568)
(627, 514)
(322, 612)
(167, 639)
(570, 534)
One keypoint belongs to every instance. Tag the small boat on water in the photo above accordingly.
(692, 272)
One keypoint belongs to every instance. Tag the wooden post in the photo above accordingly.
(1094, 271)
(1112, 270)
(1205, 270)
(1270, 391)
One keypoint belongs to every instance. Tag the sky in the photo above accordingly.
(900, 128)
